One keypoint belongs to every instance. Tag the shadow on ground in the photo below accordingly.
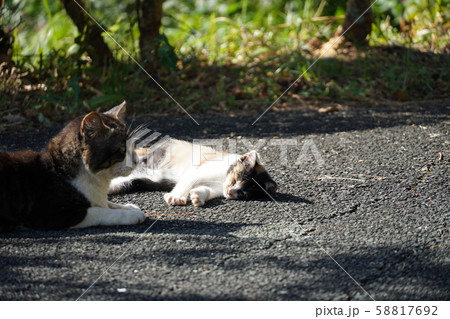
(302, 121)
(386, 273)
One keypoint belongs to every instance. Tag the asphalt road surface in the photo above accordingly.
(362, 213)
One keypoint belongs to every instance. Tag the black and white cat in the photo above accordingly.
(66, 184)
(170, 165)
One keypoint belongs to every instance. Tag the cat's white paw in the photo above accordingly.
(132, 217)
(99, 216)
(174, 200)
(196, 198)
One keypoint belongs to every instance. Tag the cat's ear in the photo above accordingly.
(91, 125)
(118, 111)
(271, 187)
(250, 159)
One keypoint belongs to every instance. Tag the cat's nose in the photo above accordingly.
(229, 192)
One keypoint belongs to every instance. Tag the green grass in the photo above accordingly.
(231, 56)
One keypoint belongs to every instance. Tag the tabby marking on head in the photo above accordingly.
(244, 176)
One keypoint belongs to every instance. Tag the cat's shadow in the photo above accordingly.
(181, 226)
(288, 198)
(124, 234)
(278, 198)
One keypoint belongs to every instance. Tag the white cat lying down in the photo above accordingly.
(199, 171)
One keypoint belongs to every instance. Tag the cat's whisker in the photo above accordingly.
(139, 129)
(131, 133)
(129, 127)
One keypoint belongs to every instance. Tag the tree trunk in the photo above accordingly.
(363, 26)
(6, 40)
(149, 14)
(93, 42)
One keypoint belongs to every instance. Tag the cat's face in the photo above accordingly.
(246, 178)
(104, 138)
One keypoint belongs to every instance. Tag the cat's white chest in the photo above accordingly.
(92, 187)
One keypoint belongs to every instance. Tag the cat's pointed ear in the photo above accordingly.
(91, 125)
(118, 111)
(271, 187)
(250, 159)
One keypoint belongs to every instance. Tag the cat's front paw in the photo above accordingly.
(133, 217)
(174, 200)
(196, 198)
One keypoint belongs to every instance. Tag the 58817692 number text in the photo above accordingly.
(406, 310)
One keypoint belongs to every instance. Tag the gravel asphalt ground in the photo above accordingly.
(362, 213)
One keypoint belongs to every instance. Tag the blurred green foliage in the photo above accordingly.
(225, 55)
